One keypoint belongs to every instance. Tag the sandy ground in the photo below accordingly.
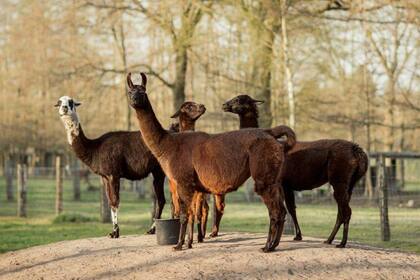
(230, 256)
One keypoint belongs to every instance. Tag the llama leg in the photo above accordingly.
(291, 208)
(174, 200)
(346, 214)
(198, 210)
(185, 200)
(113, 191)
(205, 215)
(191, 224)
(339, 193)
(159, 197)
(114, 216)
(273, 198)
(219, 207)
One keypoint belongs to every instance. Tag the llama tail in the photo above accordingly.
(362, 165)
(283, 130)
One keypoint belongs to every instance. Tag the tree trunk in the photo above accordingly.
(287, 71)
(288, 225)
(8, 172)
(249, 190)
(76, 180)
(402, 148)
(141, 189)
(261, 74)
(22, 178)
(59, 186)
(105, 209)
(382, 187)
(368, 181)
(178, 89)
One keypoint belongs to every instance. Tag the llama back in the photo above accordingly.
(128, 149)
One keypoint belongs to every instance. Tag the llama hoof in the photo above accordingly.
(297, 238)
(200, 240)
(266, 249)
(340, 246)
(327, 242)
(213, 234)
(114, 234)
(177, 248)
(189, 246)
(151, 231)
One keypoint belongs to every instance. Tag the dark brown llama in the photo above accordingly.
(217, 163)
(187, 115)
(246, 108)
(309, 165)
(114, 155)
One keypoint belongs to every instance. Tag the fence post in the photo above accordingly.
(9, 179)
(22, 178)
(140, 188)
(76, 180)
(105, 209)
(382, 187)
(288, 224)
(58, 186)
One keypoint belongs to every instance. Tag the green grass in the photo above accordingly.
(134, 218)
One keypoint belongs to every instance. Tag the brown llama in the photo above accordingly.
(246, 107)
(217, 163)
(187, 115)
(309, 165)
(114, 155)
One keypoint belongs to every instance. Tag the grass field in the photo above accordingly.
(134, 218)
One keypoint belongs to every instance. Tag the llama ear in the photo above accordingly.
(257, 101)
(129, 82)
(58, 104)
(77, 104)
(176, 115)
(143, 79)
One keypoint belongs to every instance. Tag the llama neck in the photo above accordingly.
(186, 123)
(247, 120)
(83, 147)
(72, 126)
(80, 144)
(151, 129)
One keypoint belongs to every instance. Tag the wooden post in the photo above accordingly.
(402, 171)
(140, 188)
(9, 179)
(76, 180)
(288, 224)
(58, 186)
(249, 190)
(105, 209)
(382, 187)
(392, 178)
(22, 178)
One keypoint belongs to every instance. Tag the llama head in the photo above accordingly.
(241, 104)
(67, 111)
(137, 95)
(191, 110)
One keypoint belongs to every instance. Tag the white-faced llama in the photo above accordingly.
(114, 155)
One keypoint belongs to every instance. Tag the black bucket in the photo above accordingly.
(167, 231)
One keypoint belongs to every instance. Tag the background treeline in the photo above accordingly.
(336, 69)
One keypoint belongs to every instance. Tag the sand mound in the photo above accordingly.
(230, 256)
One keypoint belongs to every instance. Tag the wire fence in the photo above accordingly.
(402, 182)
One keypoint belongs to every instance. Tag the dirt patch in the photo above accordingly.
(230, 256)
